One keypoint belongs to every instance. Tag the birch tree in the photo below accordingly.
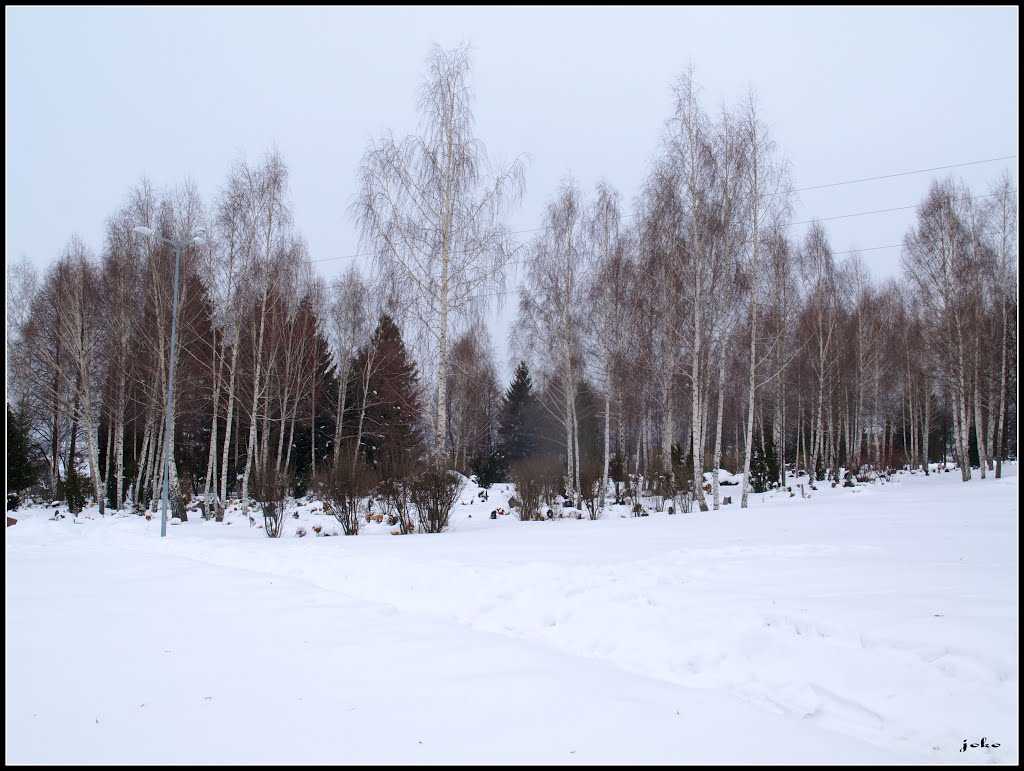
(689, 148)
(270, 216)
(121, 280)
(935, 256)
(819, 275)
(77, 285)
(549, 326)
(1003, 218)
(430, 209)
(350, 316)
(608, 296)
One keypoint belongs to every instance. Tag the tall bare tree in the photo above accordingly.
(80, 329)
(818, 271)
(767, 195)
(430, 208)
(350, 315)
(1003, 218)
(549, 326)
(609, 294)
(689, 146)
(474, 397)
(936, 257)
(121, 279)
(276, 256)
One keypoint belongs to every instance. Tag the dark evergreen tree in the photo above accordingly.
(323, 385)
(617, 472)
(548, 430)
(488, 468)
(392, 425)
(682, 467)
(764, 463)
(517, 422)
(74, 488)
(22, 461)
(587, 415)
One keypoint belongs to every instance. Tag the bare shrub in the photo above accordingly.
(664, 487)
(434, 492)
(269, 488)
(552, 476)
(634, 486)
(394, 492)
(537, 480)
(529, 487)
(342, 489)
(591, 476)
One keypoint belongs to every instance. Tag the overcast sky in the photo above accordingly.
(98, 98)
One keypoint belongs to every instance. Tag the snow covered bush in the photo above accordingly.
(664, 486)
(74, 490)
(394, 491)
(434, 493)
(269, 488)
(618, 475)
(765, 470)
(394, 497)
(536, 481)
(342, 489)
(590, 487)
(488, 468)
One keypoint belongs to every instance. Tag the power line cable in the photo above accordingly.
(881, 211)
(905, 173)
(802, 222)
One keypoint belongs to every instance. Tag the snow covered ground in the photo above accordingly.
(873, 624)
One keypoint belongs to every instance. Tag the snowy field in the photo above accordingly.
(874, 624)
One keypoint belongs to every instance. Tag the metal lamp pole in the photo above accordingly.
(198, 239)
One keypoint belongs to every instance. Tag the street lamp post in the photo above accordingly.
(198, 239)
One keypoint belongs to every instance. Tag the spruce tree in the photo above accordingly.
(518, 418)
(392, 426)
(764, 463)
(325, 382)
(588, 416)
(22, 470)
(75, 487)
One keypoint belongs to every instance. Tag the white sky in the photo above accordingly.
(98, 97)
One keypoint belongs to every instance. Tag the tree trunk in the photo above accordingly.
(155, 479)
(979, 430)
(1001, 451)
(667, 422)
(749, 441)
(251, 444)
(718, 427)
(119, 411)
(211, 463)
(695, 420)
(143, 457)
(232, 371)
(291, 440)
(607, 427)
(312, 432)
(109, 463)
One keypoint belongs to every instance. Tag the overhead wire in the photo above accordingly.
(798, 190)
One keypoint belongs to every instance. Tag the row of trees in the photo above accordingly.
(700, 335)
(705, 323)
(789, 357)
